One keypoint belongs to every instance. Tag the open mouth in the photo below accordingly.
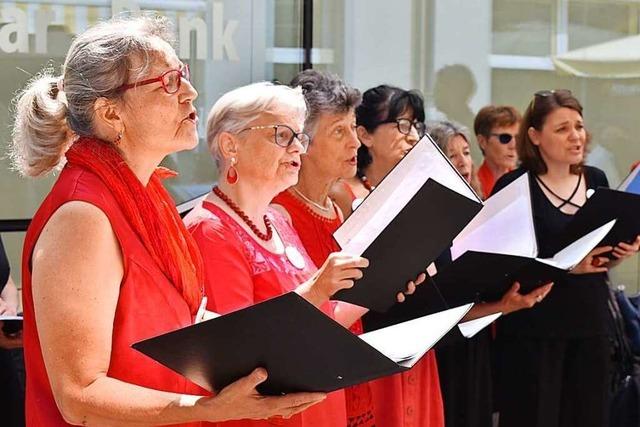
(293, 163)
(353, 160)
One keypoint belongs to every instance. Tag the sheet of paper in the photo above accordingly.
(472, 327)
(405, 343)
(423, 162)
(504, 225)
(571, 255)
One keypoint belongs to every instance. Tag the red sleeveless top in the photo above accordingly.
(316, 233)
(148, 304)
(239, 272)
(409, 399)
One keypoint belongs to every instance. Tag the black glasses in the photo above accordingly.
(283, 135)
(171, 80)
(504, 138)
(405, 125)
(547, 93)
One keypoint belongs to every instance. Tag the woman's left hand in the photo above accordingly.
(411, 287)
(625, 250)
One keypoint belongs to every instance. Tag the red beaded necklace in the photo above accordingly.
(267, 222)
(366, 183)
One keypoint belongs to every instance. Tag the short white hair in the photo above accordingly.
(235, 110)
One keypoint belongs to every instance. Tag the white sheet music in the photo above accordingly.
(406, 342)
(423, 162)
(472, 327)
(504, 225)
(571, 255)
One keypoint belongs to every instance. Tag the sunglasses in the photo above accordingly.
(171, 80)
(547, 93)
(504, 138)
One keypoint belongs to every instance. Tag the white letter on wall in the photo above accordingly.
(19, 28)
(185, 27)
(223, 35)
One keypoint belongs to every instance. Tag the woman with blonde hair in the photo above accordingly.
(107, 261)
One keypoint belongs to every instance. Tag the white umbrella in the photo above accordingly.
(616, 59)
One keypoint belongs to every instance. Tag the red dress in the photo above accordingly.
(239, 272)
(410, 399)
(316, 235)
(148, 304)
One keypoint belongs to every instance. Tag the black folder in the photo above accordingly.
(422, 230)
(487, 276)
(603, 206)
(301, 348)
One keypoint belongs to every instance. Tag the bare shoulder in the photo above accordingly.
(77, 240)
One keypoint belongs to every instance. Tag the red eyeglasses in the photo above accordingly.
(171, 80)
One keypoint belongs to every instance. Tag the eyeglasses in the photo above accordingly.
(171, 80)
(547, 93)
(504, 138)
(283, 135)
(405, 125)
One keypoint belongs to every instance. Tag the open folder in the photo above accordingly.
(301, 348)
(499, 246)
(603, 206)
(405, 223)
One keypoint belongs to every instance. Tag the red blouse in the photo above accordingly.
(239, 272)
(409, 399)
(316, 233)
(148, 304)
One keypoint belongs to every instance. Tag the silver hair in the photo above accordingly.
(236, 109)
(443, 132)
(53, 111)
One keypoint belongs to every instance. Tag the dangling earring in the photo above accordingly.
(118, 139)
(232, 172)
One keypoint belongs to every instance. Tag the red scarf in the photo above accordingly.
(151, 213)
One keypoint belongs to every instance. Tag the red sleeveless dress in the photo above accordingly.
(239, 272)
(148, 304)
(316, 234)
(409, 399)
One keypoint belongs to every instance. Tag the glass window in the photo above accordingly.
(522, 27)
(226, 43)
(597, 22)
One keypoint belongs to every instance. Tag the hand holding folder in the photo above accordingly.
(499, 247)
(300, 347)
(407, 221)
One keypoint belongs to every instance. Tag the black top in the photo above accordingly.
(4, 267)
(577, 304)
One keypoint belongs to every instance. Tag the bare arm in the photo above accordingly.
(77, 270)
(510, 302)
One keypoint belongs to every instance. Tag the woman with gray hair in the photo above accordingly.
(107, 261)
(251, 253)
(332, 155)
(453, 140)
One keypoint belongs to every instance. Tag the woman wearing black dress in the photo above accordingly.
(554, 359)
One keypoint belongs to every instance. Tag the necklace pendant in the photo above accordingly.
(295, 257)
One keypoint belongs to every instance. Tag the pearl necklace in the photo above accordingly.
(326, 208)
